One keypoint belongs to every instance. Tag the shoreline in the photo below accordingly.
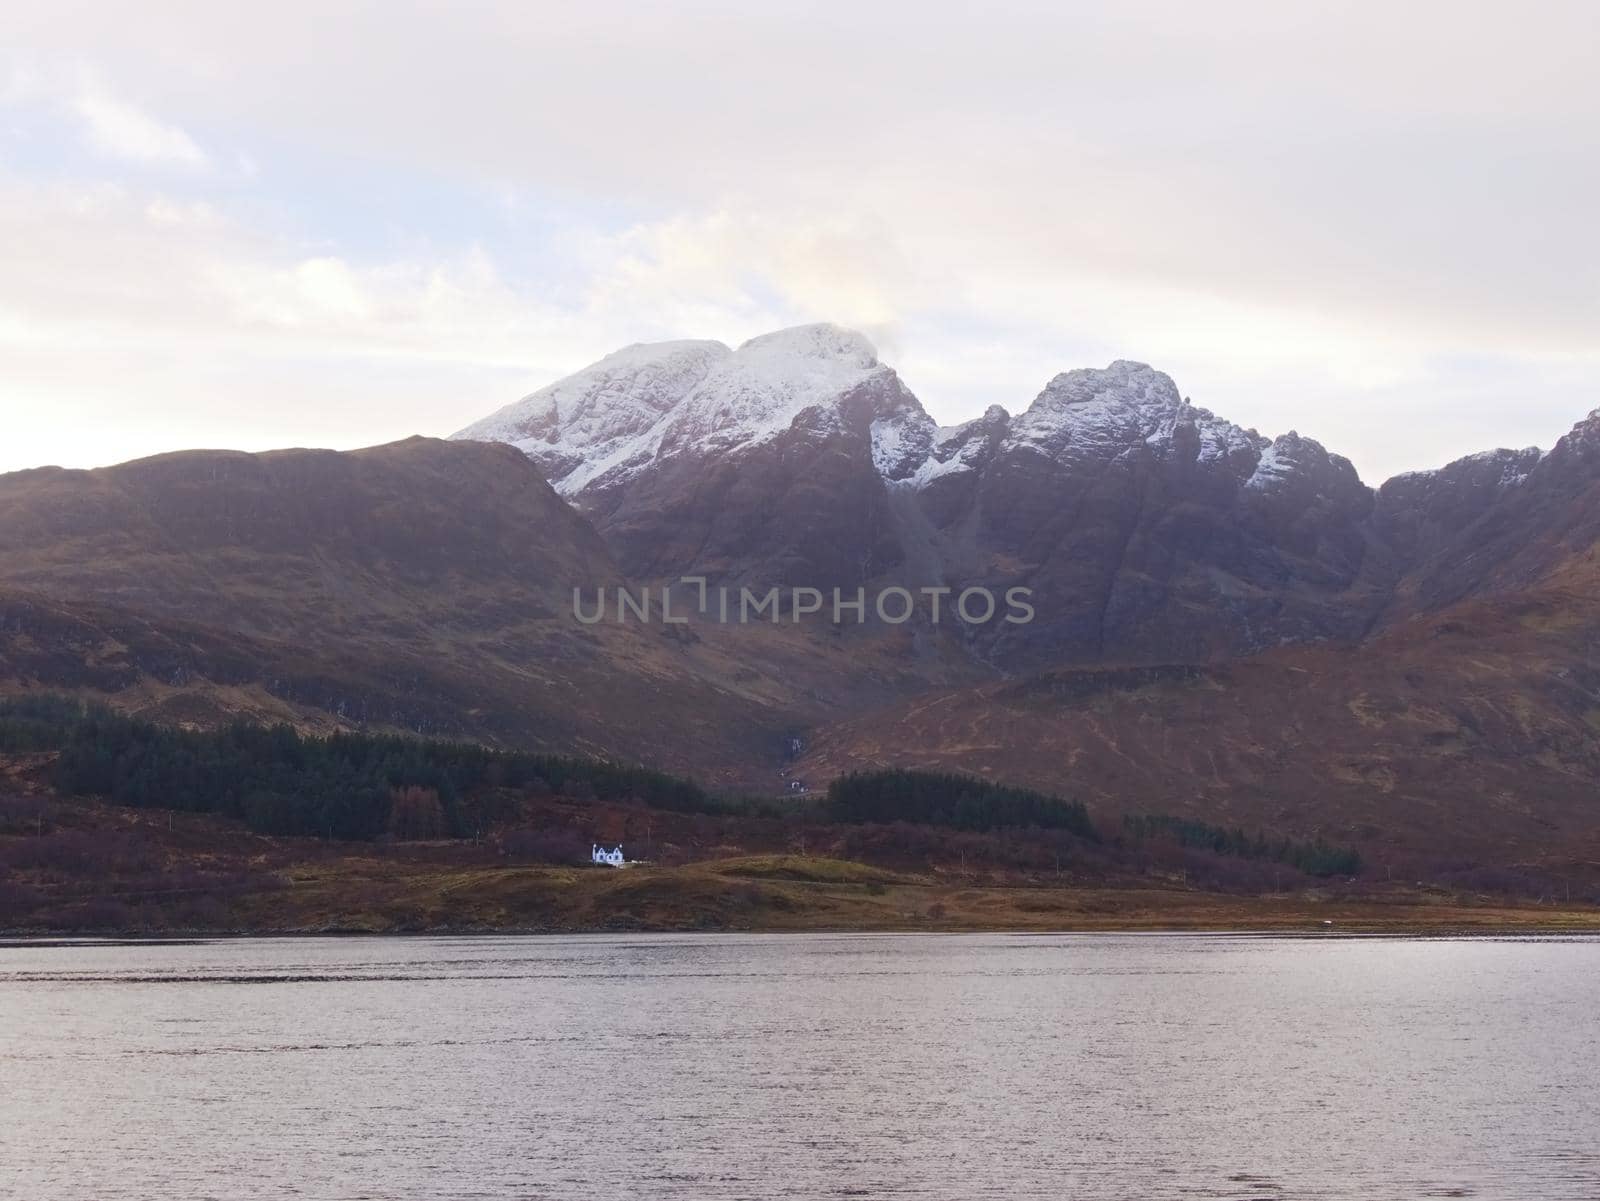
(1455, 923)
(197, 938)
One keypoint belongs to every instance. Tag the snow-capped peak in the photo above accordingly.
(1098, 414)
(1583, 437)
(646, 401)
(1502, 467)
(599, 427)
(757, 392)
(593, 415)
(823, 342)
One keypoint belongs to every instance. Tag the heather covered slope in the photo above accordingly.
(424, 586)
(309, 544)
(1471, 732)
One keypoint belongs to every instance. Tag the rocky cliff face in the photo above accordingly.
(762, 465)
(1497, 522)
(1148, 528)
(1152, 530)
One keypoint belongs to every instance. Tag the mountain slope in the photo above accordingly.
(1471, 735)
(755, 465)
(1501, 522)
(301, 543)
(425, 586)
(1147, 527)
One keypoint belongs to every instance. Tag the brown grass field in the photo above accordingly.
(795, 893)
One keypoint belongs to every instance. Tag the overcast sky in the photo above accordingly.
(338, 224)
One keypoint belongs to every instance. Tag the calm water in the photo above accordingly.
(956, 1067)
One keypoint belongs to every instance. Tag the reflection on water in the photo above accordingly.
(723, 1066)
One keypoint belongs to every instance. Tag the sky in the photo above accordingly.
(338, 224)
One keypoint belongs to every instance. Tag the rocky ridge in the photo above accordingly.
(1150, 528)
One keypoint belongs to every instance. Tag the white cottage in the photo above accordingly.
(599, 854)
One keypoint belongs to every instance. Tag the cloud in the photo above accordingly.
(133, 320)
(109, 124)
(97, 262)
(1429, 168)
(740, 269)
(118, 129)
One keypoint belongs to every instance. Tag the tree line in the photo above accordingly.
(279, 781)
(960, 802)
(360, 786)
(1315, 858)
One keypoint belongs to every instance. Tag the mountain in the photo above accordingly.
(423, 586)
(1497, 523)
(754, 465)
(403, 538)
(1227, 627)
(1148, 529)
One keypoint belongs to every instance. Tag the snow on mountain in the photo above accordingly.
(1091, 414)
(901, 443)
(955, 449)
(603, 423)
(1514, 465)
(1581, 442)
(759, 390)
(1271, 469)
(645, 403)
(579, 425)
(1487, 469)
(1287, 454)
